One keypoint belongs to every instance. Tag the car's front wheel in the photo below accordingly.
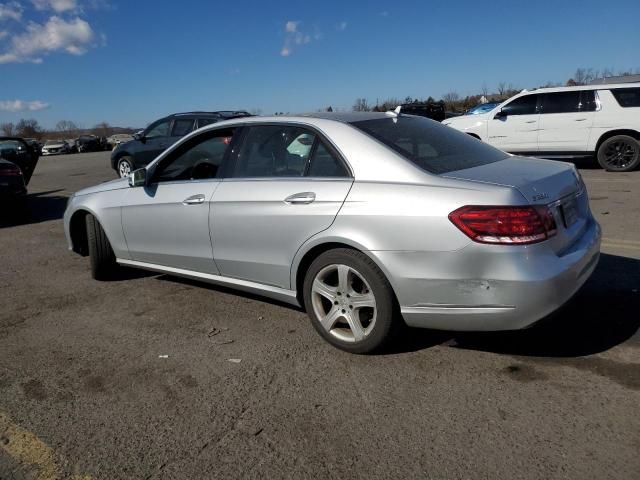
(125, 167)
(101, 256)
(620, 153)
(350, 301)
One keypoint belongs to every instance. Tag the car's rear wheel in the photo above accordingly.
(620, 153)
(101, 256)
(350, 301)
(125, 167)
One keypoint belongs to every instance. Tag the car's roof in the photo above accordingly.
(345, 117)
(583, 87)
(216, 114)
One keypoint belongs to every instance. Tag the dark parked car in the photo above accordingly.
(160, 135)
(17, 162)
(433, 110)
(89, 143)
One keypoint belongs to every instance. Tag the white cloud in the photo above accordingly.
(73, 36)
(291, 26)
(3, 34)
(295, 37)
(10, 11)
(342, 26)
(22, 106)
(57, 6)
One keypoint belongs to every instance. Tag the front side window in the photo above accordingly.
(525, 105)
(181, 127)
(160, 129)
(431, 146)
(274, 151)
(198, 159)
(627, 97)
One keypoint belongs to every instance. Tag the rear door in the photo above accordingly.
(514, 128)
(180, 128)
(566, 119)
(285, 185)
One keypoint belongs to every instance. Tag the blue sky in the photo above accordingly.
(130, 62)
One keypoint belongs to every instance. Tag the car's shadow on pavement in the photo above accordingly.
(605, 313)
(39, 207)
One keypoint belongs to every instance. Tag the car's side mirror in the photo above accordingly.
(141, 137)
(500, 114)
(138, 178)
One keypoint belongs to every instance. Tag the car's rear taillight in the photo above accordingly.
(505, 225)
(10, 170)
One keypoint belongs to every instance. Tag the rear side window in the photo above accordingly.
(181, 127)
(430, 145)
(627, 97)
(205, 121)
(274, 151)
(522, 105)
(567, 102)
(325, 164)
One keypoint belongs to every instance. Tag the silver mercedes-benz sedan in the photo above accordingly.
(368, 221)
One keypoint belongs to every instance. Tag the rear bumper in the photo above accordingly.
(489, 288)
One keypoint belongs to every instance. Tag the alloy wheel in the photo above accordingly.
(124, 169)
(620, 154)
(344, 303)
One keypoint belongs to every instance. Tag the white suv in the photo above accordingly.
(565, 122)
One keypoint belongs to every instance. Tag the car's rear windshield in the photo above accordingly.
(431, 146)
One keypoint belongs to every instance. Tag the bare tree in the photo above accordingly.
(28, 128)
(7, 129)
(450, 98)
(485, 90)
(67, 128)
(502, 88)
(102, 129)
(361, 105)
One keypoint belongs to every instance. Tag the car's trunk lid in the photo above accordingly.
(541, 182)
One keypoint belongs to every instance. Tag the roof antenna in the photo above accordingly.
(395, 113)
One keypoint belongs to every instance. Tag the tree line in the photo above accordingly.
(456, 103)
(64, 129)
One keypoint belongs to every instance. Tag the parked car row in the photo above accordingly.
(564, 123)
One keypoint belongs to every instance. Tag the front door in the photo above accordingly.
(154, 141)
(285, 185)
(167, 222)
(514, 128)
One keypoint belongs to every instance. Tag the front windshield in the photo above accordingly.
(483, 108)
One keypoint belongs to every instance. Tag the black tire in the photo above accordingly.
(123, 164)
(620, 153)
(386, 323)
(101, 256)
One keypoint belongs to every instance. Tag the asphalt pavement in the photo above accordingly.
(157, 377)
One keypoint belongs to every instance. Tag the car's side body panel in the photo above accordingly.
(256, 233)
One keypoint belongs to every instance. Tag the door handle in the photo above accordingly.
(580, 119)
(531, 121)
(300, 198)
(194, 200)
